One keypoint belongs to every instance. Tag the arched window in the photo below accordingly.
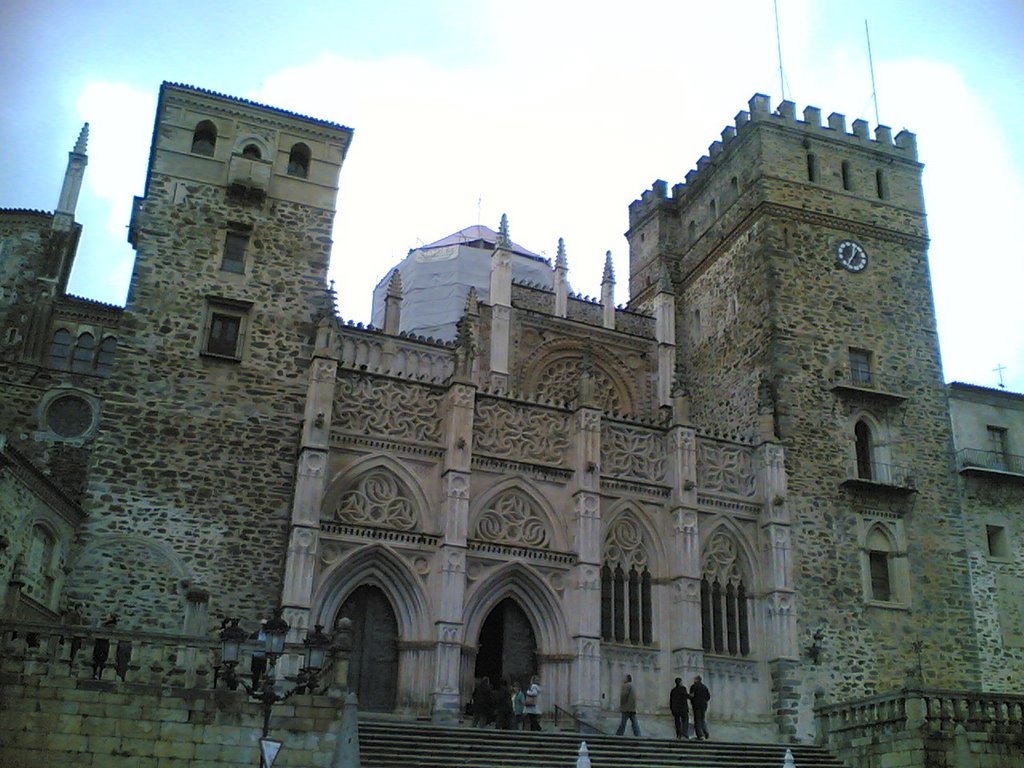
(105, 357)
(204, 138)
(42, 565)
(879, 549)
(845, 168)
(863, 445)
(298, 161)
(60, 347)
(881, 187)
(691, 230)
(81, 360)
(626, 604)
(812, 167)
(252, 152)
(725, 625)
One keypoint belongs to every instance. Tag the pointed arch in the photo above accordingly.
(629, 556)
(727, 579)
(515, 507)
(539, 602)
(377, 491)
(553, 371)
(747, 560)
(375, 565)
(652, 541)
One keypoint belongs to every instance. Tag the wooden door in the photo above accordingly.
(373, 668)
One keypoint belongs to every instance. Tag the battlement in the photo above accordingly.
(758, 113)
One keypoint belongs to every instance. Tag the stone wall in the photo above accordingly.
(55, 714)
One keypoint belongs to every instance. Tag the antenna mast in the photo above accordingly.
(778, 44)
(871, 66)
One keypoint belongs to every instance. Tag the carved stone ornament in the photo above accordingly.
(633, 453)
(625, 544)
(721, 559)
(378, 499)
(560, 381)
(725, 468)
(386, 408)
(512, 518)
(324, 370)
(462, 396)
(530, 434)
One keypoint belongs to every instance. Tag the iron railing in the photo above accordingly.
(997, 461)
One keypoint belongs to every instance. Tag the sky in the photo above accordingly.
(558, 114)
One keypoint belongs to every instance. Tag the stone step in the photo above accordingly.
(391, 744)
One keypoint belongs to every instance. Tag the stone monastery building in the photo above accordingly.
(747, 472)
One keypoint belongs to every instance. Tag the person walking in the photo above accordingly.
(518, 705)
(700, 696)
(627, 707)
(531, 704)
(678, 700)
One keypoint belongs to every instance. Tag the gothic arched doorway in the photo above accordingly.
(373, 667)
(507, 645)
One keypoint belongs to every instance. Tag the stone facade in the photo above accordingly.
(745, 474)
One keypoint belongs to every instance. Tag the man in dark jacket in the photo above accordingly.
(627, 707)
(700, 696)
(677, 702)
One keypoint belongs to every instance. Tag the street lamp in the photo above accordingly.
(317, 644)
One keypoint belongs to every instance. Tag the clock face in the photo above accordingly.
(851, 255)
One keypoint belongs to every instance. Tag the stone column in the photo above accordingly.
(449, 580)
(665, 333)
(586, 577)
(780, 604)
(685, 623)
(303, 540)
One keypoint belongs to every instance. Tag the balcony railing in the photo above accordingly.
(866, 381)
(877, 473)
(994, 461)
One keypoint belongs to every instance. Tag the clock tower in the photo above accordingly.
(797, 252)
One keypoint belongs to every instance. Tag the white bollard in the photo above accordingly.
(583, 761)
(789, 762)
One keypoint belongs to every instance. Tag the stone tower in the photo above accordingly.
(797, 253)
(193, 476)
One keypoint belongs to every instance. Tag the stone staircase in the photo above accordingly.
(393, 744)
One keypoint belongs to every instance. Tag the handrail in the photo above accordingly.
(582, 726)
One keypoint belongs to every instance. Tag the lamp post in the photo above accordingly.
(317, 644)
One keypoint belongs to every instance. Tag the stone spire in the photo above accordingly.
(77, 160)
(501, 307)
(393, 304)
(504, 241)
(608, 292)
(561, 281)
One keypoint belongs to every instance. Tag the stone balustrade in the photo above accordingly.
(109, 653)
(926, 727)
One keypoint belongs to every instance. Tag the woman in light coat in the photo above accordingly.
(532, 709)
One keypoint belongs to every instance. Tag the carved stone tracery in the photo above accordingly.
(625, 545)
(725, 468)
(512, 518)
(383, 407)
(502, 428)
(632, 453)
(560, 379)
(379, 499)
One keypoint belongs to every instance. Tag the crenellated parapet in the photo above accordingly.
(771, 156)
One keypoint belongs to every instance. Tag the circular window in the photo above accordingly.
(69, 416)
